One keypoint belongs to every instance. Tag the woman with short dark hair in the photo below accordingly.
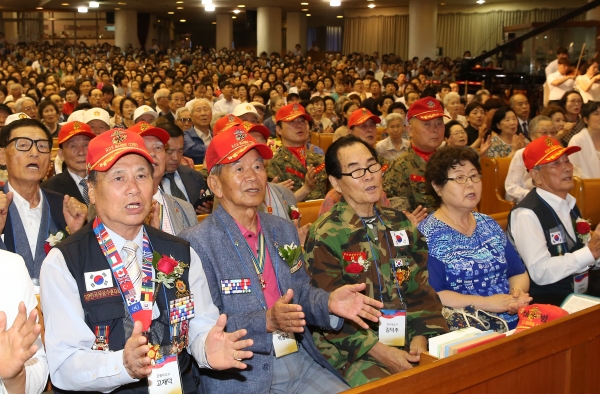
(471, 263)
(505, 141)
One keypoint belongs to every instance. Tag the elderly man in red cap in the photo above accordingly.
(254, 266)
(546, 227)
(73, 141)
(293, 160)
(124, 303)
(404, 181)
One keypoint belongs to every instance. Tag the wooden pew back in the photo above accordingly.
(309, 211)
(586, 191)
(494, 173)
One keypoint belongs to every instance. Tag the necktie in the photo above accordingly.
(175, 190)
(525, 129)
(135, 273)
(86, 198)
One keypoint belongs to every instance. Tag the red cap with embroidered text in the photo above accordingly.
(289, 112)
(231, 145)
(545, 150)
(360, 116)
(110, 146)
(425, 109)
(71, 129)
(147, 130)
(226, 122)
(537, 314)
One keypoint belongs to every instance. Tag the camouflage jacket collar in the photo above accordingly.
(347, 214)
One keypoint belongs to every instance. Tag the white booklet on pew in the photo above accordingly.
(578, 302)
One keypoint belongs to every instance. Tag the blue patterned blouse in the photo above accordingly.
(477, 265)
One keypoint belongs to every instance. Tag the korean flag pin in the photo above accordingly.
(556, 238)
(400, 238)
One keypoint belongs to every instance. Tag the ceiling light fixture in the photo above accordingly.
(236, 11)
(335, 3)
(480, 1)
(94, 4)
(340, 16)
(209, 7)
(206, 2)
(65, 4)
(307, 14)
(214, 23)
(304, 9)
(180, 8)
(83, 10)
(303, 3)
(170, 12)
(179, 2)
(182, 20)
(117, 9)
(371, 6)
(241, 6)
(39, 8)
(233, 17)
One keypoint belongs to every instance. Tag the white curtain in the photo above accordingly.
(384, 34)
(458, 32)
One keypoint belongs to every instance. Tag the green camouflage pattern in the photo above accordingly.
(406, 193)
(341, 231)
(284, 160)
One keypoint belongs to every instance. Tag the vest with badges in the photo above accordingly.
(106, 307)
(551, 225)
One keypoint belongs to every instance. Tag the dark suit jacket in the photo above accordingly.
(55, 201)
(64, 184)
(170, 117)
(194, 182)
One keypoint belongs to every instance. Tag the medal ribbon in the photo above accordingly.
(139, 306)
(259, 265)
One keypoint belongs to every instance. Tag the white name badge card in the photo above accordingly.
(580, 282)
(165, 378)
(284, 343)
(392, 327)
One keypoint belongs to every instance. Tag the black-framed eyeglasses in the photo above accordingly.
(24, 144)
(185, 119)
(360, 172)
(462, 179)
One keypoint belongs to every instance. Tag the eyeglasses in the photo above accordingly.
(462, 179)
(359, 173)
(185, 119)
(24, 144)
(458, 133)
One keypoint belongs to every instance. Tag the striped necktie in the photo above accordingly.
(135, 273)
(86, 198)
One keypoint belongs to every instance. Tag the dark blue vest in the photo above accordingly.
(83, 254)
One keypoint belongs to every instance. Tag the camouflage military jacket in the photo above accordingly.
(337, 238)
(404, 183)
(287, 166)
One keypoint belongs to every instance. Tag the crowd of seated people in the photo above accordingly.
(108, 156)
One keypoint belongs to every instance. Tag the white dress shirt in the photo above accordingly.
(166, 185)
(30, 217)
(72, 362)
(530, 242)
(206, 138)
(593, 92)
(552, 67)
(588, 158)
(225, 106)
(16, 286)
(77, 179)
(556, 92)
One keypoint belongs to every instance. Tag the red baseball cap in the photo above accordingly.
(110, 146)
(545, 150)
(426, 108)
(226, 122)
(289, 112)
(231, 145)
(258, 128)
(147, 130)
(537, 314)
(360, 116)
(71, 129)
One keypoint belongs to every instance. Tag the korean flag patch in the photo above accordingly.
(98, 280)
(556, 238)
(400, 238)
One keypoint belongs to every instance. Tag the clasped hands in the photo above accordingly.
(223, 350)
(346, 302)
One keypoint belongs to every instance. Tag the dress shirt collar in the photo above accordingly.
(75, 177)
(119, 241)
(22, 202)
(555, 201)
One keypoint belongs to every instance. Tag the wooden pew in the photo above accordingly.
(202, 217)
(492, 195)
(586, 191)
(198, 167)
(557, 357)
(325, 141)
(315, 138)
(501, 218)
(309, 211)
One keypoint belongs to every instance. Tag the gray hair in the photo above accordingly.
(161, 93)
(450, 96)
(16, 85)
(19, 103)
(216, 170)
(394, 116)
(194, 103)
(180, 111)
(534, 125)
(216, 117)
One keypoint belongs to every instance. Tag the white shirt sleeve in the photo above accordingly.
(72, 362)
(531, 244)
(515, 185)
(206, 313)
(18, 287)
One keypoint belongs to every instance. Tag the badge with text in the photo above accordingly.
(284, 343)
(580, 282)
(165, 378)
(392, 327)
(556, 238)
(98, 280)
(400, 269)
(400, 238)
